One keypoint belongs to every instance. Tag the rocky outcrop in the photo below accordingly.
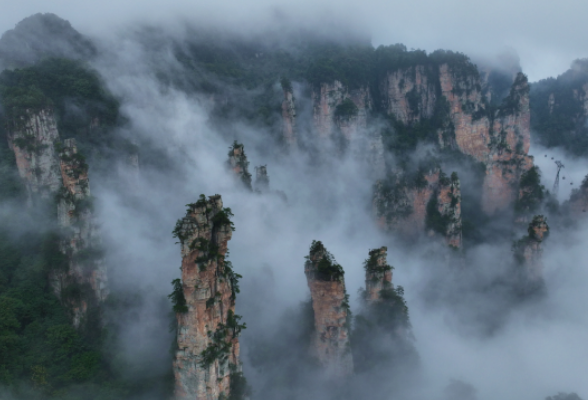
(51, 169)
(32, 138)
(238, 163)
(499, 139)
(80, 239)
(330, 303)
(336, 107)
(378, 274)
(431, 204)
(207, 356)
(452, 96)
(289, 116)
(261, 179)
(528, 253)
(409, 94)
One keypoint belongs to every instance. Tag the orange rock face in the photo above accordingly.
(208, 348)
(378, 274)
(500, 141)
(331, 310)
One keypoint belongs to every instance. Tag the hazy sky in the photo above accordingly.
(547, 34)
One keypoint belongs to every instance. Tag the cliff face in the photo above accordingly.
(51, 169)
(336, 106)
(409, 94)
(432, 205)
(500, 140)
(498, 137)
(238, 163)
(289, 118)
(378, 274)
(331, 311)
(208, 329)
(80, 239)
(528, 253)
(32, 141)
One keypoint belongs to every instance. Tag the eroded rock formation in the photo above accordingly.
(80, 240)
(238, 164)
(330, 303)
(207, 357)
(336, 107)
(378, 274)
(452, 95)
(32, 138)
(431, 204)
(51, 169)
(528, 253)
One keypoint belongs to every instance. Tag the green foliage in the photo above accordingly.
(371, 264)
(346, 110)
(390, 199)
(233, 278)
(233, 324)
(177, 297)
(222, 218)
(532, 191)
(327, 269)
(37, 342)
(53, 83)
(218, 348)
(383, 321)
(512, 103)
(434, 220)
(240, 389)
(77, 161)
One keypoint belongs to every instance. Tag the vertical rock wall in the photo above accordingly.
(51, 169)
(80, 239)
(32, 139)
(349, 120)
(409, 94)
(207, 333)
(378, 274)
(500, 140)
(331, 311)
(238, 163)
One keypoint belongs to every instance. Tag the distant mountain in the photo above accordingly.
(28, 42)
